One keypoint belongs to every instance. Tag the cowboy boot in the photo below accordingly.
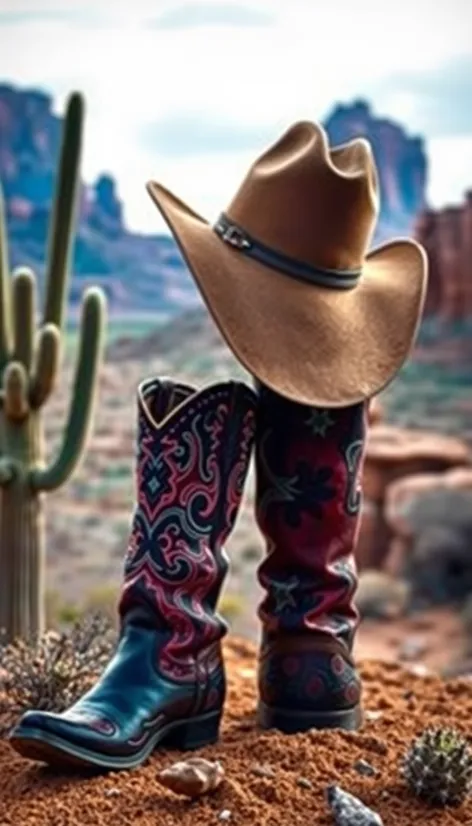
(308, 462)
(165, 685)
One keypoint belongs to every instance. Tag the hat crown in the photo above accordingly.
(312, 203)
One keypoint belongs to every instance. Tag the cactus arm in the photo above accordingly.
(81, 406)
(15, 384)
(23, 316)
(46, 365)
(6, 471)
(5, 331)
(63, 215)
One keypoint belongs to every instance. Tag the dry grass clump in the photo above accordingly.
(53, 671)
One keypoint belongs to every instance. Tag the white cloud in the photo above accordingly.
(313, 54)
(196, 14)
(451, 163)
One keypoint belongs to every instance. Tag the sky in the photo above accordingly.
(189, 92)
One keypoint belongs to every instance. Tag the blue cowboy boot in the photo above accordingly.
(165, 685)
(308, 462)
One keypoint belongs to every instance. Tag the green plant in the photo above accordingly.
(29, 363)
(438, 767)
(252, 553)
(103, 599)
(53, 671)
(231, 606)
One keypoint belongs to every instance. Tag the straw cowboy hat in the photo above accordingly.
(287, 277)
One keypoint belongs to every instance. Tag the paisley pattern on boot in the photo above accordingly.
(308, 464)
(191, 473)
(165, 685)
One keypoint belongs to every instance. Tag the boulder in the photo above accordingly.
(403, 493)
(380, 596)
(373, 539)
(375, 412)
(438, 560)
(394, 452)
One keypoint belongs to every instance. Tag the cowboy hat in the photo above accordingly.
(286, 274)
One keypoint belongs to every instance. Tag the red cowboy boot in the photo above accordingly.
(308, 462)
(166, 684)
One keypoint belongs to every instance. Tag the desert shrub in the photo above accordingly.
(252, 553)
(59, 612)
(116, 472)
(68, 614)
(103, 600)
(53, 671)
(231, 606)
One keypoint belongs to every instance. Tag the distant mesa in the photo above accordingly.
(401, 162)
(141, 273)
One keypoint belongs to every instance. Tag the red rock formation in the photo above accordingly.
(394, 454)
(137, 272)
(447, 237)
(401, 163)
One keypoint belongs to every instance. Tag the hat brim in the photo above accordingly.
(316, 346)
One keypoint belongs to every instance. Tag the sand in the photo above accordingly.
(399, 705)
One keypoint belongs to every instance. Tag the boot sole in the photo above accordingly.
(296, 722)
(35, 744)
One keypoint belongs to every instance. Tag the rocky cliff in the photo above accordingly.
(447, 237)
(141, 272)
(137, 272)
(401, 162)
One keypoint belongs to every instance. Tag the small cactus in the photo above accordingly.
(29, 360)
(438, 767)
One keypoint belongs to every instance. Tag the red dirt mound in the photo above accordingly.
(297, 768)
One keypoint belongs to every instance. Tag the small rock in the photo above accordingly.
(304, 783)
(247, 725)
(113, 792)
(372, 715)
(418, 670)
(412, 648)
(349, 810)
(263, 770)
(364, 768)
(224, 816)
(193, 777)
(408, 695)
(381, 596)
(459, 668)
(247, 673)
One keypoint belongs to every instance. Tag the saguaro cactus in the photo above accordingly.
(29, 362)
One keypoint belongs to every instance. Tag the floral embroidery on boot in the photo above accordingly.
(308, 463)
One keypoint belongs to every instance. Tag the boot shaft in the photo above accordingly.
(308, 465)
(193, 455)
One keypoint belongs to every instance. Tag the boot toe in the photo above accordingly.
(73, 724)
(65, 738)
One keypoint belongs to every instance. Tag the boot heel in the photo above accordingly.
(194, 733)
(292, 722)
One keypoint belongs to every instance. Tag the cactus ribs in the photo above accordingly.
(29, 361)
